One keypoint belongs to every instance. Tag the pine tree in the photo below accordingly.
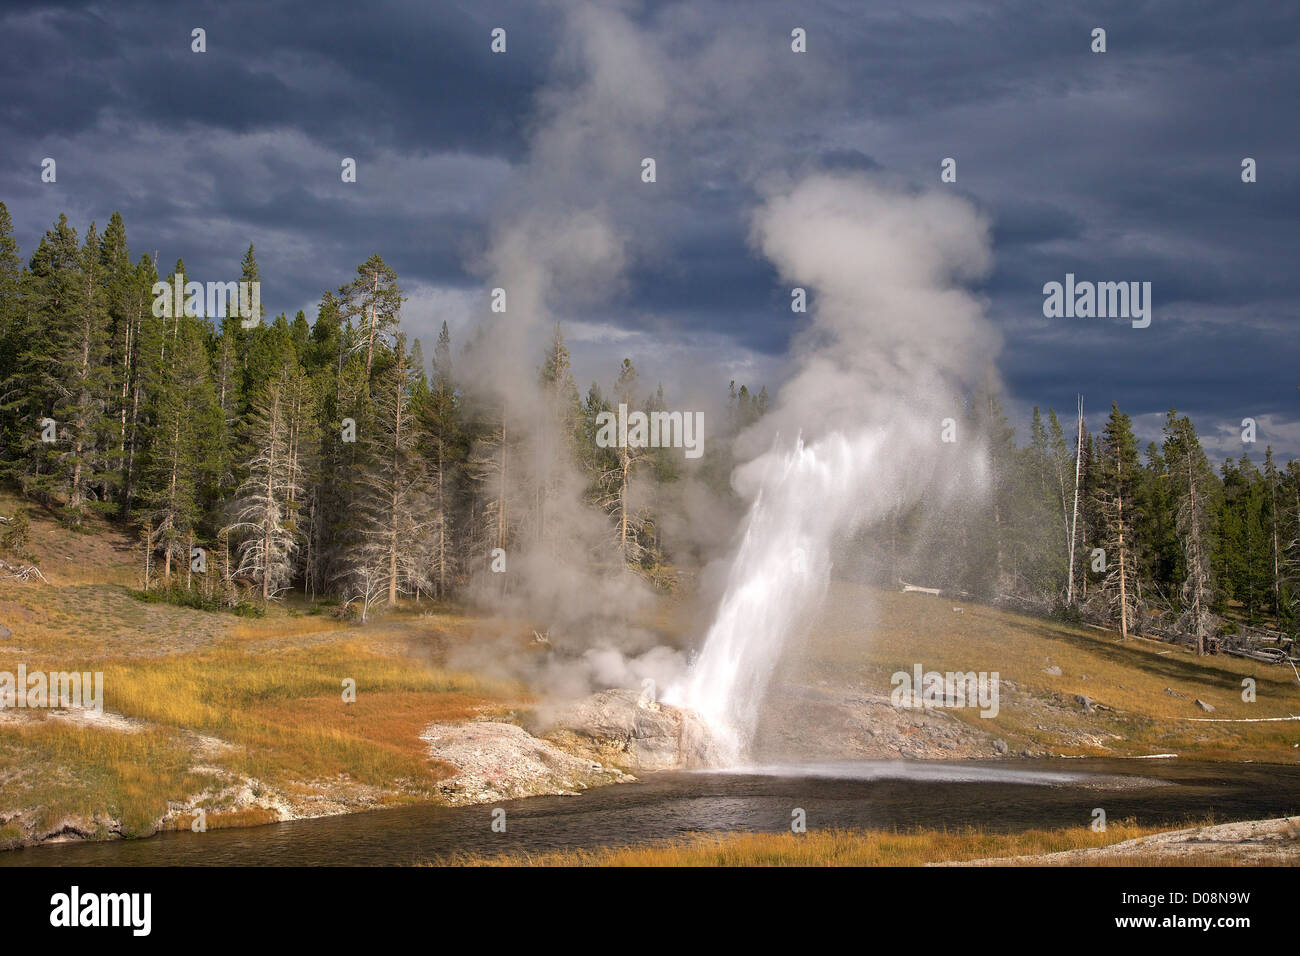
(993, 539)
(616, 481)
(394, 497)
(183, 424)
(1291, 537)
(1271, 481)
(144, 359)
(1253, 564)
(445, 447)
(1190, 473)
(119, 282)
(1061, 471)
(36, 380)
(1157, 528)
(375, 299)
(1116, 503)
(12, 429)
(554, 437)
(89, 385)
(335, 519)
(491, 466)
(59, 372)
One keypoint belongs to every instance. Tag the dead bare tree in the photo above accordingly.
(367, 586)
(1074, 518)
(1190, 472)
(22, 572)
(1119, 466)
(265, 509)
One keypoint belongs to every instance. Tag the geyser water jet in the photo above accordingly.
(893, 344)
(780, 570)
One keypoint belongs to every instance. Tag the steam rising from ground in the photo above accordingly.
(893, 345)
(556, 245)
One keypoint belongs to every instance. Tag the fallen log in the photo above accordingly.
(919, 590)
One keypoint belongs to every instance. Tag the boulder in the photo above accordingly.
(499, 761)
(634, 733)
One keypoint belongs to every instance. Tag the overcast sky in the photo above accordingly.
(1122, 166)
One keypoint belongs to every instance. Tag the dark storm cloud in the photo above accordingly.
(1121, 166)
(405, 75)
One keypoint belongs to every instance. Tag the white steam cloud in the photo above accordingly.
(894, 343)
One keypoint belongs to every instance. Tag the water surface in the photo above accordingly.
(1000, 796)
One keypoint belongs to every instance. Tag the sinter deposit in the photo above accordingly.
(598, 740)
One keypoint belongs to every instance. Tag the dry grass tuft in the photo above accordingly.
(826, 848)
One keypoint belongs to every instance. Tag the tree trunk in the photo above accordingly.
(1123, 582)
(442, 530)
(393, 513)
(370, 349)
(268, 521)
(1074, 518)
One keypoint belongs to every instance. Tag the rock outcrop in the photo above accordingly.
(618, 727)
(499, 761)
(584, 744)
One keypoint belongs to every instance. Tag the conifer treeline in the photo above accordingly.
(317, 455)
(322, 456)
(1160, 539)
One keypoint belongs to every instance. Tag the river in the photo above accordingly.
(1002, 796)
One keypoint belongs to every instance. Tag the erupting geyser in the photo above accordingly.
(777, 574)
(893, 344)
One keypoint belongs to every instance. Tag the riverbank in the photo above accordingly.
(1253, 843)
(1245, 843)
(249, 726)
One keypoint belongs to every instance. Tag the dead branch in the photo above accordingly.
(22, 573)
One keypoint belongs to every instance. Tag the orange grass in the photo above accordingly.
(836, 847)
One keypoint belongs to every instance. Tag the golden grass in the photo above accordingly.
(284, 712)
(268, 691)
(63, 771)
(226, 820)
(836, 847)
(283, 626)
(870, 634)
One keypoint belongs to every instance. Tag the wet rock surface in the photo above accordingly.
(840, 723)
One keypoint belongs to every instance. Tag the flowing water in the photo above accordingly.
(804, 497)
(994, 796)
(776, 574)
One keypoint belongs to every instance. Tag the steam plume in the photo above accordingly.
(893, 343)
